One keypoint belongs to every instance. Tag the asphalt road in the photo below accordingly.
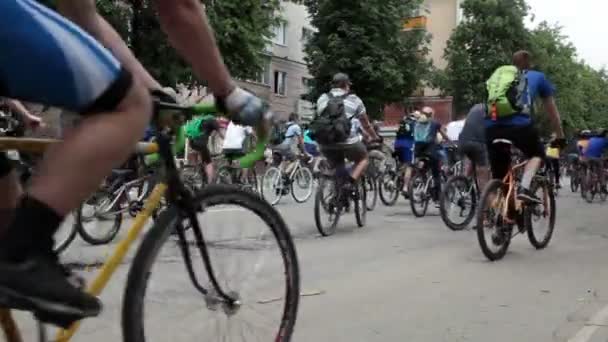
(397, 279)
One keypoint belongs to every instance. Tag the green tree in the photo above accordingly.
(581, 96)
(242, 29)
(492, 30)
(364, 39)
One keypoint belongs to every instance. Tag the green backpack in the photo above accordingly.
(507, 92)
(193, 127)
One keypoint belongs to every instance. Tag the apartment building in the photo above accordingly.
(285, 76)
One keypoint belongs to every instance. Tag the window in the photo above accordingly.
(280, 79)
(280, 34)
(306, 34)
(264, 75)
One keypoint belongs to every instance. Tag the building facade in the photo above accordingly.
(285, 76)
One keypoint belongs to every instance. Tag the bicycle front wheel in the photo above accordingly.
(371, 189)
(419, 198)
(389, 187)
(360, 202)
(273, 185)
(255, 262)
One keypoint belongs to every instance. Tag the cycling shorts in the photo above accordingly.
(46, 59)
(525, 138)
(49, 60)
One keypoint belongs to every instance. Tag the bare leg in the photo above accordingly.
(210, 171)
(360, 168)
(530, 171)
(74, 168)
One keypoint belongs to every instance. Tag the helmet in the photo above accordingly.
(585, 133)
(341, 79)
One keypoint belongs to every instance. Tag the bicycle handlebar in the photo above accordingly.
(247, 160)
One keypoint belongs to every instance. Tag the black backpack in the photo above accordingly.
(331, 126)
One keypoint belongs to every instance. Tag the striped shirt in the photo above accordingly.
(353, 107)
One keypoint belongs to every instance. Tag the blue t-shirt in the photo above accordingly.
(291, 135)
(538, 86)
(430, 135)
(596, 147)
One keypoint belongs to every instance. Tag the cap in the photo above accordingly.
(340, 78)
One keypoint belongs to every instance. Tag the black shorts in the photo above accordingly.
(525, 138)
(475, 151)
(336, 154)
(428, 150)
(200, 145)
(233, 153)
(5, 165)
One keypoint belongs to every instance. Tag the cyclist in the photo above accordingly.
(112, 89)
(594, 152)
(404, 145)
(583, 141)
(519, 128)
(292, 144)
(552, 159)
(353, 148)
(234, 140)
(426, 144)
(199, 131)
(472, 144)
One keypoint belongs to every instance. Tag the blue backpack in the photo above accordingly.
(423, 132)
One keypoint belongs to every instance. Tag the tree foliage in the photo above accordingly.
(364, 39)
(242, 29)
(487, 37)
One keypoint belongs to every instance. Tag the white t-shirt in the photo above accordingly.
(454, 128)
(235, 136)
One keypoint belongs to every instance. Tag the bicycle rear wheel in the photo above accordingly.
(458, 197)
(273, 185)
(371, 192)
(97, 220)
(302, 184)
(389, 186)
(267, 285)
(535, 213)
(360, 201)
(327, 203)
(419, 198)
(491, 224)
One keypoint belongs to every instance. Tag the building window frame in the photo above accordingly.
(280, 83)
(280, 34)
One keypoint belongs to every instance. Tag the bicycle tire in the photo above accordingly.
(137, 280)
(265, 193)
(424, 200)
(491, 187)
(443, 200)
(389, 198)
(224, 176)
(574, 183)
(320, 209)
(91, 238)
(371, 183)
(62, 245)
(590, 187)
(302, 170)
(360, 203)
(534, 240)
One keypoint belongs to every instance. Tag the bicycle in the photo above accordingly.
(123, 192)
(183, 207)
(421, 187)
(592, 181)
(338, 200)
(276, 182)
(501, 210)
(373, 174)
(229, 173)
(462, 194)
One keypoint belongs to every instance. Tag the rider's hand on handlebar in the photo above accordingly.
(245, 108)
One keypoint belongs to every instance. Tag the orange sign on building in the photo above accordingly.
(415, 23)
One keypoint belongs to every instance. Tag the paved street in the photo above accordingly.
(398, 279)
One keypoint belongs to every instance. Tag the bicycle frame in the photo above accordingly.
(177, 195)
(510, 180)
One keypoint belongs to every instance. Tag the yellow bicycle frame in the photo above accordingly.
(112, 263)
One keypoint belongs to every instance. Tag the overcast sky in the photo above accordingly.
(584, 21)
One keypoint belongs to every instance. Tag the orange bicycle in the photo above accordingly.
(500, 211)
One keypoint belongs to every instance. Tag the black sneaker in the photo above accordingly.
(527, 196)
(40, 285)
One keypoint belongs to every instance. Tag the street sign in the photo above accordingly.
(415, 23)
